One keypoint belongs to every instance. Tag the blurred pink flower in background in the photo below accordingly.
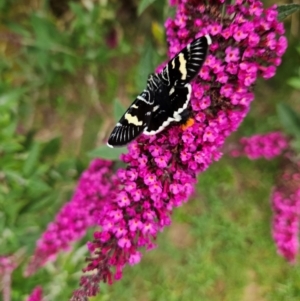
(7, 265)
(286, 212)
(285, 197)
(266, 146)
(36, 295)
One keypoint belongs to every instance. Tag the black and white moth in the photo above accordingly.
(165, 98)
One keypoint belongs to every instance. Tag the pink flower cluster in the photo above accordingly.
(162, 170)
(77, 215)
(7, 264)
(36, 295)
(286, 215)
(265, 146)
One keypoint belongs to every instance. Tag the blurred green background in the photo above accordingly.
(64, 65)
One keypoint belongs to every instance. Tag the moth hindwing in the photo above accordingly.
(185, 65)
(166, 97)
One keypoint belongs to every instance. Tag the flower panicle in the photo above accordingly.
(285, 201)
(75, 217)
(266, 146)
(7, 264)
(36, 295)
(162, 170)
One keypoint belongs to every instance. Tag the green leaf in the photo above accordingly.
(36, 188)
(13, 176)
(41, 29)
(146, 67)
(5, 117)
(286, 10)
(11, 146)
(45, 201)
(108, 153)
(7, 99)
(143, 5)
(45, 37)
(10, 129)
(51, 148)
(295, 145)
(294, 82)
(19, 29)
(32, 160)
(118, 109)
(158, 32)
(289, 119)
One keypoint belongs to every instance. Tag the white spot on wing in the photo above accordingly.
(141, 98)
(172, 90)
(208, 38)
(182, 66)
(133, 119)
(155, 108)
(173, 63)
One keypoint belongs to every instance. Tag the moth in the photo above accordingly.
(166, 97)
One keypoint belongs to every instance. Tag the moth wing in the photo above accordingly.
(179, 98)
(133, 122)
(186, 64)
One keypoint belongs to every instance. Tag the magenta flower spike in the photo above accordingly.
(76, 216)
(266, 146)
(162, 170)
(36, 295)
(7, 265)
(286, 213)
(285, 198)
